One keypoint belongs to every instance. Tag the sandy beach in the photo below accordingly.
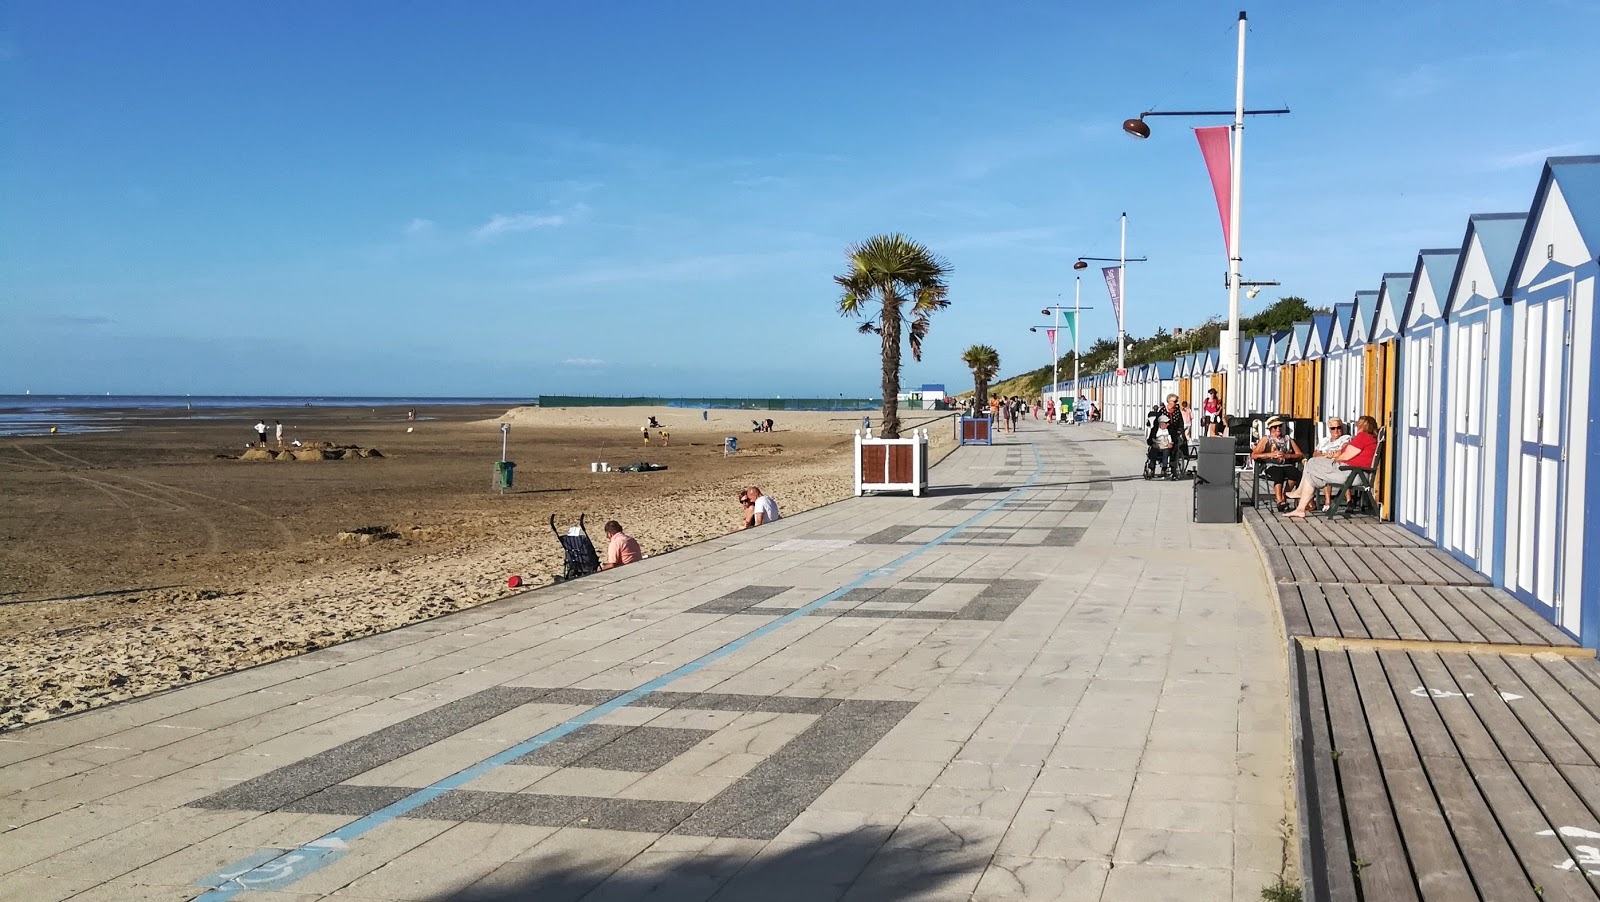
(136, 560)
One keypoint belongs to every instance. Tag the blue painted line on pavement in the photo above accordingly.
(274, 869)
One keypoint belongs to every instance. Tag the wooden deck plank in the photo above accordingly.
(1517, 627)
(1442, 875)
(1423, 616)
(1318, 611)
(1471, 737)
(1292, 603)
(1344, 613)
(1323, 785)
(1580, 678)
(1522, 819)
(1382, 868)
(1515, 743)
(1427, 564)
(1405, 568)
(1568, 711)
(1280, 564)
(1400, 620)
(1373, 616)
(1492, 630)
(1451, 619)
(1533, 710)
(1548, 633)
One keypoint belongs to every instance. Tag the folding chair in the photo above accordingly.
(1358, 485)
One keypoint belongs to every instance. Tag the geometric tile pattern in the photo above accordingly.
(758, 805)
(993, 602)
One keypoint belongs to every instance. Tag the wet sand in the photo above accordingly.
(136, 560)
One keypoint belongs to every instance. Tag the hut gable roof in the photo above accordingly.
(1487, 251)
(1361, 318)
(1299, 337)
(1392, 292)
(1569, 191)
(1259, 345)
(1430, 279)
(1321, 329)
(1340, 334)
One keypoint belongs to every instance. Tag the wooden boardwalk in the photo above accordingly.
(1447, 739)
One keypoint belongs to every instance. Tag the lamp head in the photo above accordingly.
(1136, 127)
(1045, 312)
(1251, 294)
(1080, 265)
(1033, 328)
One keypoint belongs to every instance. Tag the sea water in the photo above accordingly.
(36, 414)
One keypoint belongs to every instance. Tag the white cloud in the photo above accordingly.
(1535, 157)
(583, 361)
(420, 226)
(503, 224)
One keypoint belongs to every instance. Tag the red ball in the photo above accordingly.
(514, 581)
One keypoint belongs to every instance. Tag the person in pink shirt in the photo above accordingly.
(620, 547)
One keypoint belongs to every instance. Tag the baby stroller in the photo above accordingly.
(578, 555)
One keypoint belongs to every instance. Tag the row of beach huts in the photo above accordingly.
(1478, 361)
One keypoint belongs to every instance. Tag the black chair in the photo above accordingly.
(577, 552)
(1359, 485)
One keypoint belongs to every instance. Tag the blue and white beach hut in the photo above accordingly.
(1423, 364)
(1277, 353)
(1255, 373)
(1355, 375)
(1335, 361)
(1552, 545)
(1316, 356)
(1479, 350)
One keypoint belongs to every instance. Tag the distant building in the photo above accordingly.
(931, 396)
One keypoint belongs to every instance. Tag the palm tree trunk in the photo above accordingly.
(890, 323)
(980, 391)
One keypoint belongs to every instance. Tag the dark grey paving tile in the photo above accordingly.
(738, 600)
(640, 815)
(643, 749)
(459, 805)
(569, 748)
(889, 535)
(1063, 536)
(532, 809)
(729, 701)
(358, 801)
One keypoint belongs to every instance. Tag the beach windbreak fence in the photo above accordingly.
(715, 403)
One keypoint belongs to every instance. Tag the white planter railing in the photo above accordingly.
(892, 464)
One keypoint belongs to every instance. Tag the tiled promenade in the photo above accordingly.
(1040, 682)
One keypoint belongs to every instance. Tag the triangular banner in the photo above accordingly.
(1218, 152)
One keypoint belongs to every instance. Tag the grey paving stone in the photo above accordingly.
(345, 799)
(643, 749)
(737, 601)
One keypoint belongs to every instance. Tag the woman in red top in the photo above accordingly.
(1320, 471)
(1211, 409)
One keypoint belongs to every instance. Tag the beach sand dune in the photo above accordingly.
(137, 560)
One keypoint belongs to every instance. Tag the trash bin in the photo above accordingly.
(730, 444)
(502, 474)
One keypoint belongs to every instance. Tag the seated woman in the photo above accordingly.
(1284, 455)
(1359, 452)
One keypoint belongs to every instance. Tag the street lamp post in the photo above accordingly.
(1122, 260)
(1138, 128)
(1055, 366)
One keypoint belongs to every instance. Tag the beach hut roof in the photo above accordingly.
(933, 386)
(1361, 318)
(1392, 293)
(1576, 180)
(1279, 348)
(1164, 369)
(1493, 239)
(1430, 279)
(1259, 346)
(1342, 314)
(1213, 359)
(1321, 330)
(1299, 337)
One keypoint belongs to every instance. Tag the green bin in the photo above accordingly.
(502, 474)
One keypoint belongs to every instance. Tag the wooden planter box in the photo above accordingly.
(892, 464)
(977, 431)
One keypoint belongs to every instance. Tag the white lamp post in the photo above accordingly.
(1055, 365)
(1122, 260)
(1140, 129)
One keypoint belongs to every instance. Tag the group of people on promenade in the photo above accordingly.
(1296, 478)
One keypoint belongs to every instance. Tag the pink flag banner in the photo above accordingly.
(1218, 152)
(1113, 276)
(1051, 334)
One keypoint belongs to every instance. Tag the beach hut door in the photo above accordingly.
(1540, 435)
(1468, 372)
(1416, 500)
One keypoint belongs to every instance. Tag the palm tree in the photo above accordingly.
(892, 271)
(985, 363)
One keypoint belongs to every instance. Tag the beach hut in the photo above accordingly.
(1277, 354)
(1381, 373)
(1552, 546)
(1478, 349)
(1356, 351)
(1316, 360)
(1255, 374)
(1335, 361)
(1423, 364)
(1296, 378)
(1164, 378)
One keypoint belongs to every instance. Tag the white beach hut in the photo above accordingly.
(1552, 550)
(1355, 374)
(1335, 360)
(1255, 374)
(1478, 348)
(1423, 364)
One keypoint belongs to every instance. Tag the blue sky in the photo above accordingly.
(651, 198)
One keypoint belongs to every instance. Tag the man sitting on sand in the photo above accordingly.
(763, 510)
(620, 547)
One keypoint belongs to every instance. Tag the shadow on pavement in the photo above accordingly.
(920, 862)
